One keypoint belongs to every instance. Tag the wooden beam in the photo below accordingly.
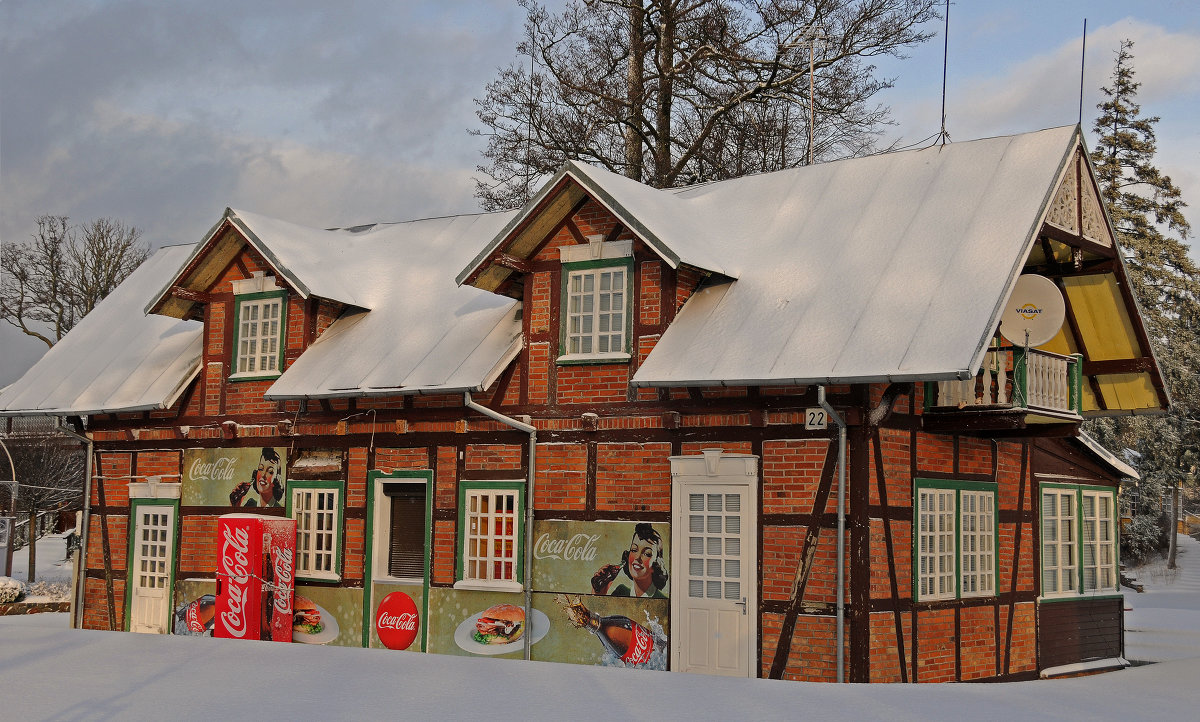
(190, 295)
(1075, 241)
(1143, 364)
(508, 261)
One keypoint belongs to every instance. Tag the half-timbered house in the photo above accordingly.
(764, 427)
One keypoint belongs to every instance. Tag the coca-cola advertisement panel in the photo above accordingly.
(606, 631)
(612, 558)
(195, 608)
(380, 593)
(249, 477)
(328, 615)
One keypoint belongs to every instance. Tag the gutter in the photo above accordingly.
(527, 582)
(841, 531)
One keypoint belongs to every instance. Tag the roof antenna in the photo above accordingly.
(1082, 66)
(943, 135)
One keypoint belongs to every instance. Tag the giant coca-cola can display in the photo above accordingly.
(255, 577)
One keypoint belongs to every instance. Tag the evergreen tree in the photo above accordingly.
(1146, 208)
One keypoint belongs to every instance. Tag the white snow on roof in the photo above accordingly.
(116, 358)
(890, 267)
(423, 332)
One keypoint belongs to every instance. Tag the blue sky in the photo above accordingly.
(162, 114)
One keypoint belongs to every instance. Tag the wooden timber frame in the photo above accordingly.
(604, 449)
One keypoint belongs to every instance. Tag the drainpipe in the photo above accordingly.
(841, 530)
(528, 580)
(80, 576)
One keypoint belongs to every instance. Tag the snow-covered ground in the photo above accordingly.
(50, 672)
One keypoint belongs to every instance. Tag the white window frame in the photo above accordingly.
(482, 551)
(580, 327)
(1079, 541)
(954, 540)
(1098, 540)
(977, 543)
(936, 544)
(250, 335)
(318, 530)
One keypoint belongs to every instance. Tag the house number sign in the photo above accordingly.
(815, 418)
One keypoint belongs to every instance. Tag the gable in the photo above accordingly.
(1076, 247)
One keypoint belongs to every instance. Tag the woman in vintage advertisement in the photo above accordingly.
(264, 479)
(642, 565)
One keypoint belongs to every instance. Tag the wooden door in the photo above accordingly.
(714, 589)
(150, 571)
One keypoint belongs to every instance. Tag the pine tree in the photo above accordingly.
(1146, 208)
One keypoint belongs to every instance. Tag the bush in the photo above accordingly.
(11, 590)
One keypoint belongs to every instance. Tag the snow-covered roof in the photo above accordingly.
(889, 267)
(1107, 457)
(117, 358)
(423, 332)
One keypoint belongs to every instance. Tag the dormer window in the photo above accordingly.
(259, 315)
(597, 288)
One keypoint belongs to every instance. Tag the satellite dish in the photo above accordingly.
(1036, 308)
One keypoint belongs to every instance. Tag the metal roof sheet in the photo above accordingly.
(423, 333)
(117, 358)
(889, 267)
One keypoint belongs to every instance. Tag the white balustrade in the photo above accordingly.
(1047, 382)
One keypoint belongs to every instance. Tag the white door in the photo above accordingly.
(150, 576)
(714, 592)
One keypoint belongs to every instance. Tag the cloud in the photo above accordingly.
(1044, 90)
(162, 114)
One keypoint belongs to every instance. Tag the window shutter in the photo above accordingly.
(406, 552)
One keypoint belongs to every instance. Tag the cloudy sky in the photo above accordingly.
(162, 114)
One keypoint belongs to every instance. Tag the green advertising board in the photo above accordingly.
(251, 477)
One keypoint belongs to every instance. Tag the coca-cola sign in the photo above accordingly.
(577, 547)
(397, 621)
(239, 477)
(234, 569)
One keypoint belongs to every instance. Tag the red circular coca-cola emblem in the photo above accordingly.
(396, 621)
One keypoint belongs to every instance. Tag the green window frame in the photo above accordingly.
(597, 311)
(1079, 541)
(259, 335)
(954, 540)
(491, 528)
(318, 507)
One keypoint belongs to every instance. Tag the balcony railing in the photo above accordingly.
(1013, 378)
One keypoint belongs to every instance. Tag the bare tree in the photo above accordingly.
(49, 283)
(50, 470)
(668, 92)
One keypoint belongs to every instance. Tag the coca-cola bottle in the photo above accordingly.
(268, 586)
(196, 617)
(624, 638)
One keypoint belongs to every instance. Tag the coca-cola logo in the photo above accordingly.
(283, 580)
(396, 621)
(193, 617)
(235, 545)
(220, 469)
(580, 547)
(640, 646)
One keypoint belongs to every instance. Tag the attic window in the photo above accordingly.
(259, 322)
(597, 288)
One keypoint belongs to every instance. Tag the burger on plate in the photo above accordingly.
(500, 624)
(306, 618)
